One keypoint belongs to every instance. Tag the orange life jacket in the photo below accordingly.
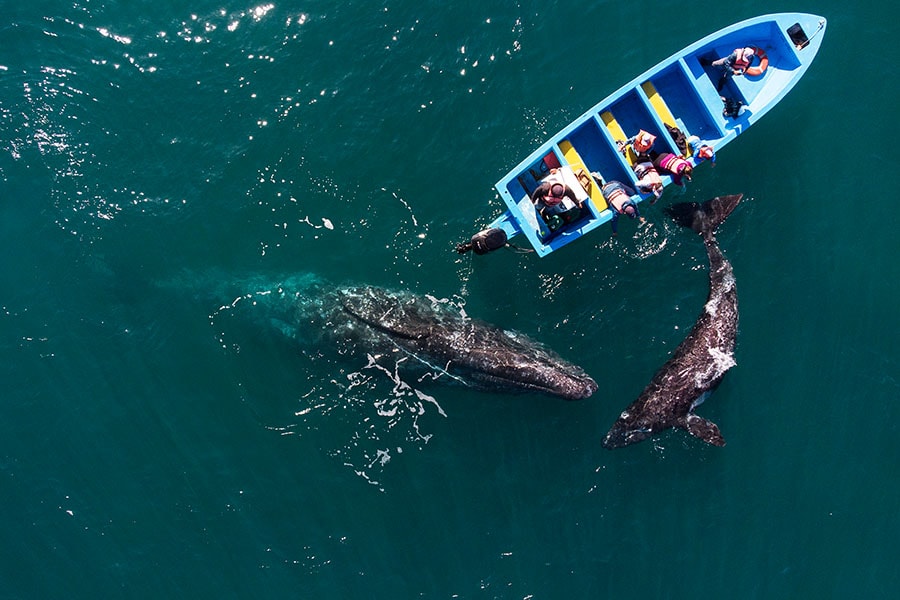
(742, 61)
(643, 141)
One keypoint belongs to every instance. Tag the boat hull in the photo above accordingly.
(681, 92)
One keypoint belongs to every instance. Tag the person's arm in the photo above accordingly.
(570, 194)
(615, 220)
(539, 192)
(623, 146)
(727, 62)
(637, 213)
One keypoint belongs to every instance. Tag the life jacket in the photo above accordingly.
(744, 56)
(549, 199)
(616, 197)
(643, 141)
(706, 153)
(644, 168)
(672, 163)
(648, 178)
(701, 150)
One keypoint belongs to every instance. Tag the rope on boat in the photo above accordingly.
(815, 33)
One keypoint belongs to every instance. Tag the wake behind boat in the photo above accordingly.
(683, 98)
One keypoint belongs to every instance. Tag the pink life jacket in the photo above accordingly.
(673, 163)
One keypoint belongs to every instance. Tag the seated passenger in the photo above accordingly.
(619, 197)
(734, 64)
(701, 150)
(649, 181)
(550, 198)
(640, 143)
(672, 164)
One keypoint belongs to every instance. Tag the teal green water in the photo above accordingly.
(160, 159)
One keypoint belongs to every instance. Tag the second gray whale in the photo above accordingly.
(701, 360)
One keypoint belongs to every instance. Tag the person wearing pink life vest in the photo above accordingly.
(672, 164)
(735, 63)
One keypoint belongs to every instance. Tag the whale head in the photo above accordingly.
(514, 362)
(628, 429)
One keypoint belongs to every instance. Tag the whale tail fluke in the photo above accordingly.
(706, 217)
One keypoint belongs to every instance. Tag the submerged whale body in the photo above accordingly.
(425, 334)
(701, 360)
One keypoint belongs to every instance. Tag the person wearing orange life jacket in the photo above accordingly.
(619, 197)
(701, 150)
(735, 63)
(640, 143)
(672, 164)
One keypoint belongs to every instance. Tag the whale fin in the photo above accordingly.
(702, 429)
(705, 217)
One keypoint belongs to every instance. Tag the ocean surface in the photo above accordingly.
(164, 164)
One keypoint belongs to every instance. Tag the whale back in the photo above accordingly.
(389, 312)
(467, 349)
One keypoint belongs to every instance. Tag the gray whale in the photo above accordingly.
(701, 360)
(418, 334)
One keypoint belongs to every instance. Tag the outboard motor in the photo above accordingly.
(486, 240)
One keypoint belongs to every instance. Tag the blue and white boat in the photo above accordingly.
(682, 93)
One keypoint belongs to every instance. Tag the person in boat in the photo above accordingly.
(620, 199)
(732, 107)
(672, 164)
(641, 143)
(550, 200)
(701, 150)
(649, 181)
(735, 63)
